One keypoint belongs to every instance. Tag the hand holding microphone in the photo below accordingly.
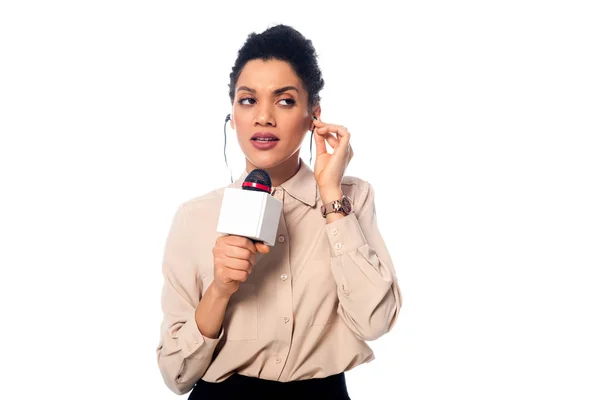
(234, 259)
(249, 218)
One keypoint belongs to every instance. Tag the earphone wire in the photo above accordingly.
(311, 140)
(227, 118)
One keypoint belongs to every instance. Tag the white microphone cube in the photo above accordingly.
(251, 214)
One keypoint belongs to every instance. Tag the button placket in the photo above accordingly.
(285, 305)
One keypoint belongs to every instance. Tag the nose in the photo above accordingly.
(264, 116)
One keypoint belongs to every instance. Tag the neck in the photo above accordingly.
(281, 172)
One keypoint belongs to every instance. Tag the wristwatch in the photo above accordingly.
(343, 205)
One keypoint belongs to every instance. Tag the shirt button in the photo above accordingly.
(338, 246)
(283, 277)
(281, 239)
(286, 319)
(278, 360)
(334, 231)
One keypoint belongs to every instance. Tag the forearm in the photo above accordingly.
(211, 311)
(186, 347)
(362, 267)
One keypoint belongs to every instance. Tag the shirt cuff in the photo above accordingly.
(191, 339)
(345, 235)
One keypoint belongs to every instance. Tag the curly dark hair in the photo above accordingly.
(284, 43)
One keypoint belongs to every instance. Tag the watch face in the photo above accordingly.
(346, 204)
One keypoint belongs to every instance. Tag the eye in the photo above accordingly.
(290, 102)
(248, 99)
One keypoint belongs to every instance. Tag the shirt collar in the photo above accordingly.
(302, 186)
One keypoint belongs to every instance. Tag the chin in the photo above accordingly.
(265, 161)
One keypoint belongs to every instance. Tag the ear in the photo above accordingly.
(316, 112)
(231, 124)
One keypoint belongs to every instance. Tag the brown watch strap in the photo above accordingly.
(334, 206)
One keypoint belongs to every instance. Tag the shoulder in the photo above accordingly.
(203, 207)
(359, 190)
(195, 219)
(354, 183)
(203, 202)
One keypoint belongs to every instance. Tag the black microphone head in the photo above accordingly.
(257, 180)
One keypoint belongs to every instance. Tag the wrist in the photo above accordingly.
(330, 194)
(214, 292)
(331, 217)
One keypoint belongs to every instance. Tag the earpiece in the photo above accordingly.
(315, 117)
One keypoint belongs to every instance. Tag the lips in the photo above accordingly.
(264, 137)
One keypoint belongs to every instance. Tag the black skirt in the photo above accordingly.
(248, 388)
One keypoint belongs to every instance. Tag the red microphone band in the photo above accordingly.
(257, 185)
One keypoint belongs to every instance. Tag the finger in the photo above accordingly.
(323, 125)
(342, 135)
(240, 253)
(332, 140)
(319, 123)
(234, 263)
(320, 144)
(262, 248)
(240, 241)
(340, 130)
(236, 275)
(342, 151)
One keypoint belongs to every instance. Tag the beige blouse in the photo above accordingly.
(307, 308)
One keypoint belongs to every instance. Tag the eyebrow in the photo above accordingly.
(275, 92)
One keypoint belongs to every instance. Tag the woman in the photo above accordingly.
(249, 320)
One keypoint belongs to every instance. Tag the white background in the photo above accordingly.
(476, 122)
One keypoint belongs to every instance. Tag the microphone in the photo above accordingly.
(251, 211)
(258, 180)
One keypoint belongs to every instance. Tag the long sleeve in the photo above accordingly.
(368, 291)
(183, 353)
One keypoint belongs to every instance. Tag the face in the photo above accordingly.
(270, 101)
